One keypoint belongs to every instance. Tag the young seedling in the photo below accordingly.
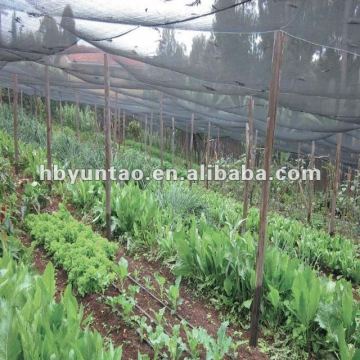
(143, 327)
(148, 283)
(159, 317)
(161, 283)
(122, 271)
(192, 337)
(176, 346)
(127, 306)
(159, 341)
(173, 294)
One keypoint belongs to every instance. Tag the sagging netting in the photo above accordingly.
(204, 57)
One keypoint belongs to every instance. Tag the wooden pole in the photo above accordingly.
(249, 156)
(119, 126)
(15, 123)
(123, 128)
(48, 118)
(311, 183)
(335, 184)
(115, 119)
(191, 145)
(173, 140)
(36, 106)
(186, 145)
(218, 144)
(61, 114)
(107, 126)
(97, 127)
(161, 133)
(21, 102)
(271, 119)
(151, 134)
(77, 116)
(145, 135)
(207, 155)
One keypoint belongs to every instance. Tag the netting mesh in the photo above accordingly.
(204, 57)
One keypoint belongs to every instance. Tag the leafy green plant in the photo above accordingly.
(161, 281)
(173, 294)
(127, 304)
(122, 271)
(35, 197)
(35, 326)
(87, 257)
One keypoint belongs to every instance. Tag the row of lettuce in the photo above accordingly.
(320, 314)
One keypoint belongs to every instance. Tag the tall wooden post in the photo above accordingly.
(249, 156)
(218, 144)
(335, 184)
(123, 128)
(61, 113)
(271, 119)
(107, 126)
(115, 119)
(48, 118)
(172, 140)
(186, 145)
(207, 155)
(191, 145)
(311, 183)
(151, 133)
(77, 116)
(161, 133)
(97, 127)
(21, 102)
(15, 123)
(36, 106)
(145, 135)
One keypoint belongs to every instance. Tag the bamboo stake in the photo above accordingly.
(48, 118)
(249, 162)
(335, 184)
(260, 256)
(15, 122)
(107, 146)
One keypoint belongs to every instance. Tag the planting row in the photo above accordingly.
(34, 326)
(87, 259)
